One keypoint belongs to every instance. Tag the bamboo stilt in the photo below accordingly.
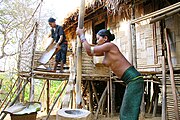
(155, 104)
(85, 87)
(100, 102)
(108, 98)
(94, 91)
(56, 92)
(142, 114)
(111, 96)
(163, 88)
(90, 97)
(42, 90)
(103, 106)
(47, 88)
(56, 101)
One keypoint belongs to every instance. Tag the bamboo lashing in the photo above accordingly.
(172, 76)
(79, 56)
(156, 13)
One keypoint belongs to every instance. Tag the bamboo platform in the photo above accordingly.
(38, 74)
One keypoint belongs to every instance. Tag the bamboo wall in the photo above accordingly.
(169, 96)
(173, 24)
(88, 66)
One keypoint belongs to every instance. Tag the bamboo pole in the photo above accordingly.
(111, 96)
(173, 86)
(163, 88)
(103, 106)
(155, 100)
(19, 84)
(8, 93)
(56, 92)
(85, 87)
(56, 100)
(108, 98)
(79, 56)
(17, 96)
(156, 13)
(155, 43)
(32, 64)
(47, 88)
(130, 43)
(95, 92)
(90, 97)
(42, 90)
(165, 15)
(100, 102)
(133, 32)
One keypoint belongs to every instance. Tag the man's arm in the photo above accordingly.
(61, 33)
(60, 39)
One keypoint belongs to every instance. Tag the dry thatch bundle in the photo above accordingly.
(122, 8)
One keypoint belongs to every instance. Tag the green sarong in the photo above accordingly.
(130, 107)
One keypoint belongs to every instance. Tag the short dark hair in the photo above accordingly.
(51, 20)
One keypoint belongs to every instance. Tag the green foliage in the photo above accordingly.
(7, 83)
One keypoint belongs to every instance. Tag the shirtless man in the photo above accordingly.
(114, 59)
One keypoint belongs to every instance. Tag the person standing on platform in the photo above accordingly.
(58, 35)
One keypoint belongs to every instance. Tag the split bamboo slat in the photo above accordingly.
(89, 68)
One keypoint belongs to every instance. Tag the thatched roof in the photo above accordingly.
(115, 7)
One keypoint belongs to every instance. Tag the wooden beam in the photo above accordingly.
(165, 15)
(173, 86)
(156, 13)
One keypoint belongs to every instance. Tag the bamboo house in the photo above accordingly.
(146, 32)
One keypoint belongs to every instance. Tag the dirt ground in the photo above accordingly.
(42, 116)
(101, 117)
(53, 117)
